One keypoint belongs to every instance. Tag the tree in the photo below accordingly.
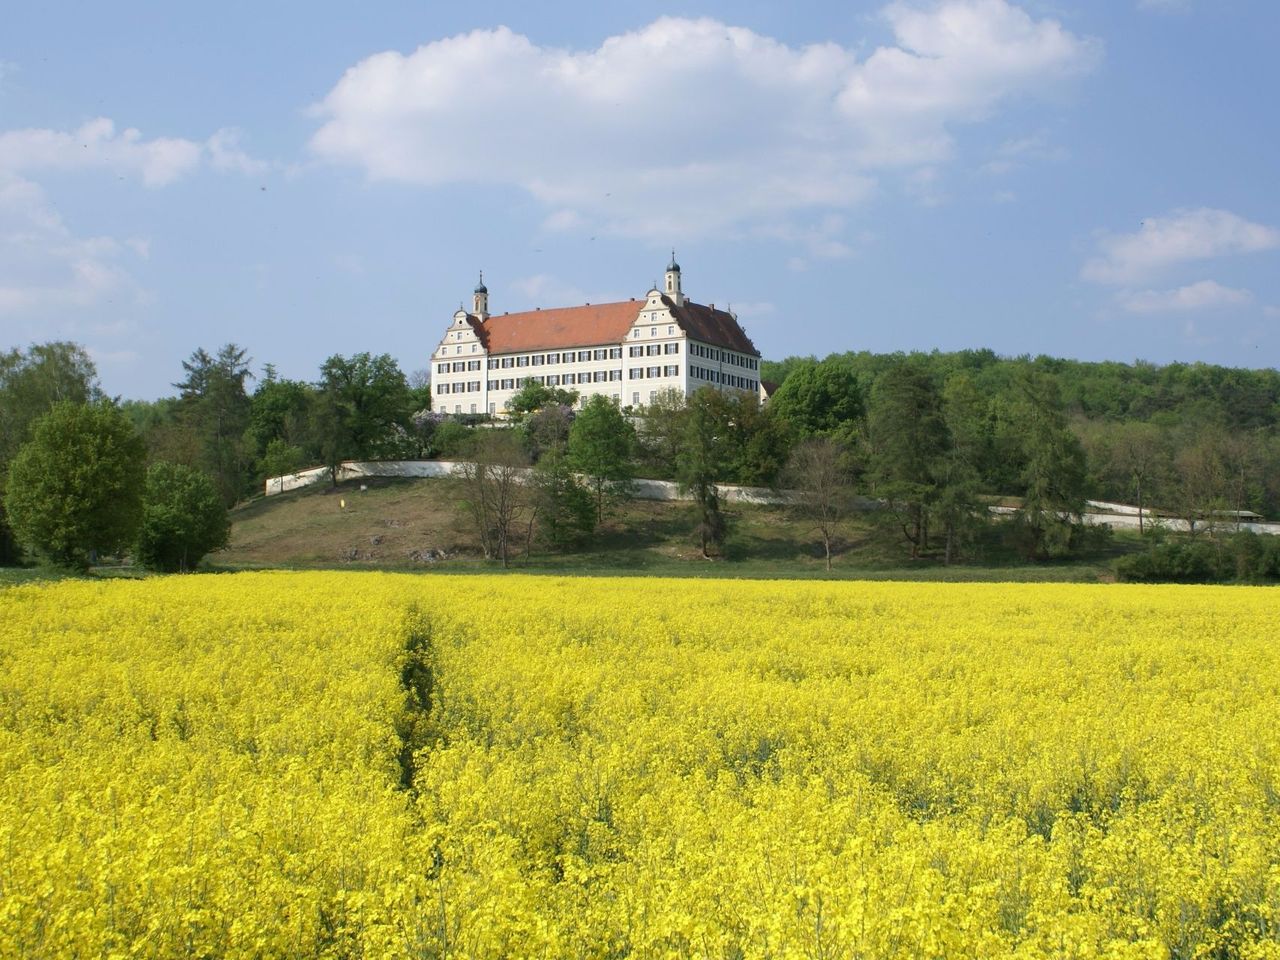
(363, 410)
(495, 493)
(957, 507)
(818, 473)
(1202, 481)
(700, 463)
(215, 409)
(560, 506)
(533, 396)
(601, 441)
(75, 488)
(30, 384)
(660, 431)
(1053, 468)
(183, 518)
(820, 398)
(908, 439)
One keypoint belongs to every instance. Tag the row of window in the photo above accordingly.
(460, 366)
(654, 349)
(722, 356)
(569, 356)
(472, 386)
(651, 373)
(653, 331)
(725, 379)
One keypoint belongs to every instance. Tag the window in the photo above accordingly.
(636, 351)
(653, 395)
(521, 381)
(671, 331)
(653, 372)
(553, 380)
(553, 358)
(635, 399)
(475, 348)
(473, 386)
(600, 376)
(615, 374)
(522, 361)
(493, 363)
(508, 362)
(537, 360)
(635, 373)
(653, 349)
(508, 384)
(615, 353)
(460, 366)
(671, 371)
(584, 356)
(442, 368)
(600, 354)
(473, 408)
(492, 408)
(442, 388)
(671, 348)
(458, 350)
(492, 385)
(570, 378)
(473, 364)
(653, 331)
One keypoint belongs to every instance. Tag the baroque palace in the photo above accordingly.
(629, 351)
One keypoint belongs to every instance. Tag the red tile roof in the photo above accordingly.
(601, 324)
(586, 326)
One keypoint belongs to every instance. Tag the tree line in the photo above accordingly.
(937, 439)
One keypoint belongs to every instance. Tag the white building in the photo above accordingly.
(629, 351)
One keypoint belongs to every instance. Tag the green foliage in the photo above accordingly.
(819, 398)
(75, 488)
(183, 518)
(450, 440)
(564, 510)
(534, 396)
(660, 429)
(214, 409)
(31, 382)
(702, 460)
(601, 442)
(1243, 557)
(363, 410)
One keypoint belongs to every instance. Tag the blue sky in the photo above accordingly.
(1093, 180)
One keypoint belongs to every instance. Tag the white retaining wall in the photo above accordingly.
(1120, 516)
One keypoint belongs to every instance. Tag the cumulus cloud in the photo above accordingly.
(1202, 295)
(1180, 237)
(690, 126)
(98, 144)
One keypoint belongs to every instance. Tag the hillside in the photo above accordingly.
(421, 525)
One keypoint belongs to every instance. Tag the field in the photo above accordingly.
(380, 765)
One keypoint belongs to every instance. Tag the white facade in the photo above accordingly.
(632, 353)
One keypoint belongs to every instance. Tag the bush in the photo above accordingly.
(182, 519)
(1244, 557)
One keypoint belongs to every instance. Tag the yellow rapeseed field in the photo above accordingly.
(373, 765)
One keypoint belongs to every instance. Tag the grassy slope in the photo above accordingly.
(381, 526)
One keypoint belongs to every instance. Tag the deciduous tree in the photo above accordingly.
(183, 518)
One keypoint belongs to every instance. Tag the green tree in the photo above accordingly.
(820, 398)
(75, 488)
(533, 396)
(561, 507)
(495, 491)
(1053, 469)
(601, 442)
(908, 440)
(183, 518)
(214, 408)
(363, 410)
(957, 507)
(660, 431)
(702, 461)
(31, 382)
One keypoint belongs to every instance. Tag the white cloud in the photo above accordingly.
(1202, 295)
(44, 268)
(1182, 236)
(97, 144)
(1015, 153)
(689, 127)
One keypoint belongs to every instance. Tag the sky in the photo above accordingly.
(1095, 180)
